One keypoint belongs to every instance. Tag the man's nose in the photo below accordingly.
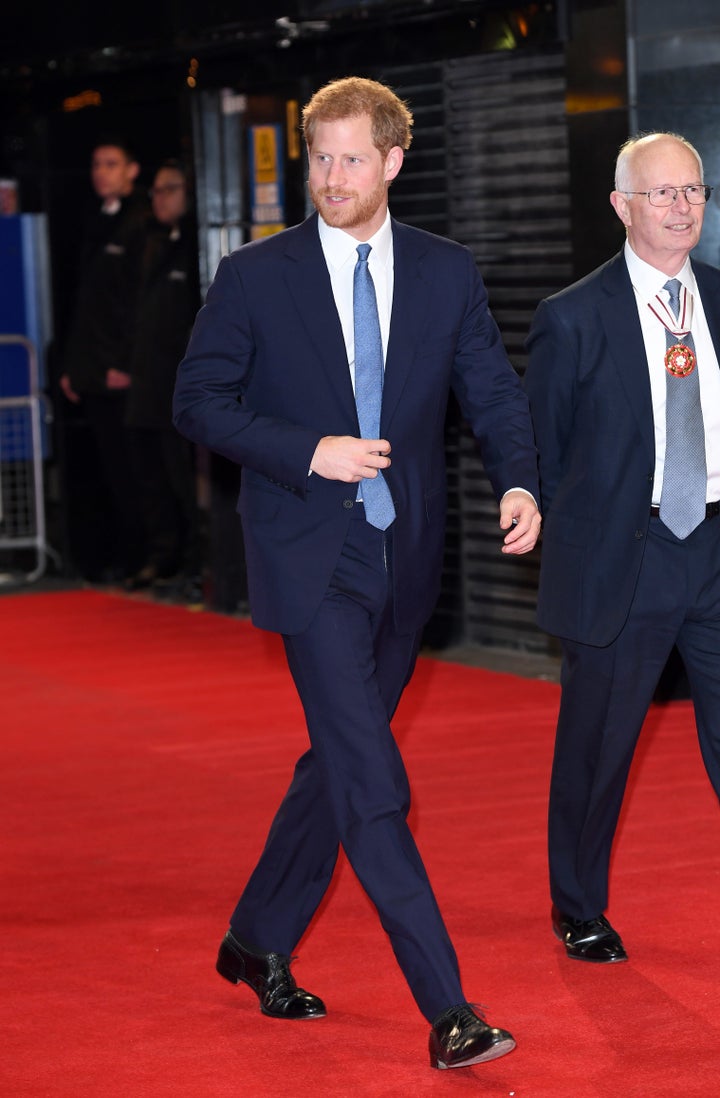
(336, 172)
(681, 200)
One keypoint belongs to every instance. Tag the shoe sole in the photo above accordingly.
(494, 1053)
(594, 960)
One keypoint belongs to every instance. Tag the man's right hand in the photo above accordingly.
(68, 389)
(343, 457)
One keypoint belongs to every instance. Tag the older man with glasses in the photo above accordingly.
(624, 388)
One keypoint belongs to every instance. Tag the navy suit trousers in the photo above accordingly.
(351, 788)
(606, 693)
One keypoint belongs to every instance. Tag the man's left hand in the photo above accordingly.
(519, 515)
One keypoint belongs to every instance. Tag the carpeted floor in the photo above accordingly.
(144, 750)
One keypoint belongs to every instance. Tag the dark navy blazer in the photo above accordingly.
(266, 376)
(589, 391)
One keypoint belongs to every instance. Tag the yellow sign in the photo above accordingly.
(266, 154)
(292, 121)
(257, 232)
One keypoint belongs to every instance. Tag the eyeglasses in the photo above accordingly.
(167, 189)
(696, 194)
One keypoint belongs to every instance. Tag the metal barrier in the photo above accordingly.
(22, 491)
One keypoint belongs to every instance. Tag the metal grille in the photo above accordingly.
(18, 502)
(22, 511)
(489, 168)
(509, 198)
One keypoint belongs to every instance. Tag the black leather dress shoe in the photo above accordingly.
(588, 939)
(460, 1037)
(268, 974)
(141, 579)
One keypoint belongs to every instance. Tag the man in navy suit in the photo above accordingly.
(623, 577)
(268, 381)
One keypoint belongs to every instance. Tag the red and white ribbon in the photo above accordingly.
(661, 309)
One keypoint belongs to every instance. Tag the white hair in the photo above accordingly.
(623, 165)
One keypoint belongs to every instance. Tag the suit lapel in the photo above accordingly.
(308, 282)
(619, 315)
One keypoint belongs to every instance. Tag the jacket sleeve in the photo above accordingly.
(491, 397)
(213, 377)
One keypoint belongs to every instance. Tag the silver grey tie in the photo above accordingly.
(682, 503)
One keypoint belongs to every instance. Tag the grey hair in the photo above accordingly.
(623, 165)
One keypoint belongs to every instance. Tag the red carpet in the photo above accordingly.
(144, 751)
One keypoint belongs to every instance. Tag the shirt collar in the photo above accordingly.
(339, 247)
(649, 281)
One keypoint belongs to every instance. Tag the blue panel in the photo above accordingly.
(13, 360)
(24, 311)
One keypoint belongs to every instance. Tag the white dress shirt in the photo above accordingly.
(340, 251)
(647, 283)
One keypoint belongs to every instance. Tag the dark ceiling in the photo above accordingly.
(141, 50)
(88, 36)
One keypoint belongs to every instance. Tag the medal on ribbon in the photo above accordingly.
(679, 359)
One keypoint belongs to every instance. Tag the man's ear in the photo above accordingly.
(393, 162)
(621, 205)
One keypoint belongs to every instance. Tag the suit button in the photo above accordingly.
(348, 503)
(639, 534)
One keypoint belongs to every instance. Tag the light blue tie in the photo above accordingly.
(379, 509)
(682, 503)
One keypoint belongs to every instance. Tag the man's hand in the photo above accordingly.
(117, 379)
(343, 457)
(520, 516)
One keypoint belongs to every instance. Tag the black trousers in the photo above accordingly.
(165, 475)
(105, 414)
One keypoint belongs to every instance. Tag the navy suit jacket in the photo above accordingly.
(266, 376)
(589, 390)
